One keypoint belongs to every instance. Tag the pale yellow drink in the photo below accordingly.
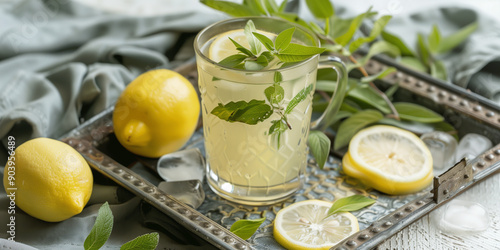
(244, 162)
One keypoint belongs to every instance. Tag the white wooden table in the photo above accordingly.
(423, 234)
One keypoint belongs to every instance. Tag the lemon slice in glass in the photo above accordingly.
(303, 225)
(222, 47)
(389, 159)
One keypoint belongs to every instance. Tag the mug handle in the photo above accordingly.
(336, 64)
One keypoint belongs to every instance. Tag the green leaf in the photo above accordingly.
(232, 61)
(297, 52)
(353, 27)
(413, 112)
(241, 48)
(364, 94)
(294, 18)
(434, 39)
(267, 7)
(396, 41)
(378, 27)
(438, 70)
(274, 94)
(265, 41)
(380, 47)
(298, 98)
(230, 8)
(255, 45)
(413, 63)
(143, 242)
(278, 77)
(423, 51)
(319, 144)
(277, 128)
(353, 124)
(284, 38)
(246, 228)
(455, 39)
(320, 8)
(253, 65)
(341, 114)
(379, 75)
(348, 204)
(101, 230)
(245, 112)
(282, 6)
(316, 28)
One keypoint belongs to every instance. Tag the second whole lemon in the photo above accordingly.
(48, 179)
(156, 114)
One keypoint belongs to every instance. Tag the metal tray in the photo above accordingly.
(466, 111)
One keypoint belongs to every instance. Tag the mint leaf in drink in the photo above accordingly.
(241, 48)
(348, 204)
(254, 65)
(143, 242)
(233, 61)
(101, 230)
(284, 38)
(297, 52)
(255, 45)
(298, 98)
(268, 43)
(246, 228)
(319, 144)
(274, 94)
(277, 129)
(278, 77)
(245, 112)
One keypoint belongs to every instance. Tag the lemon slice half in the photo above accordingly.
(303, 225)
(222, 47)
(389, 159)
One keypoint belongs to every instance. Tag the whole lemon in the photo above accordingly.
(52, 182)
(156, 114)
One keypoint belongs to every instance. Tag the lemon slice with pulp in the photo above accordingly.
(222, 47)
(303, 225)
(390, 159)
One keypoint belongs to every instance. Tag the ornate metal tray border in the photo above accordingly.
(83, 140)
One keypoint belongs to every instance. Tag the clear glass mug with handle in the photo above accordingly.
(255, 131)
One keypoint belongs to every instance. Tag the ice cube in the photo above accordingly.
(461, 217)
(182, 165)
(442, 146)
(472, 145)
(190, 192)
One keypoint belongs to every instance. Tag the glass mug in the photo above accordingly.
(244, 162)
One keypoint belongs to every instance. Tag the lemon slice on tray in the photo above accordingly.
(303, 225)
(389, 159)
(222, 47)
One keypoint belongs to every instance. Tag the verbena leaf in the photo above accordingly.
(143, 242)
(246, 112)
(277, 128)
(341, 114)
(298, 98)
(423, 51)
(380, 47)
(233, 60)
(262, 60)
(413, 63)
(282, 6)
(278, 77)
(339, 26)
(320, 8)
(364, 94)
(268, 7)
(230, 8)
(332, 47)
(350, 203)
(378, 27)
(253, 65)
(396, 41)
(414, 112)
(438, 70)
(455, 39)
(379, 75)
(353, 27)
(319, 144)
(255, 45)
(274, 94)
(316, 28)
(297, 52)
(284, 38)
(434, 39)
(353, 124)
(265, 41)
(252, 5)
(246, 228)
(294, 18)
(101, 230)
(241, 48)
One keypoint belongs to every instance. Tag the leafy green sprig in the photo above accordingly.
(364, 101)
(102, 228)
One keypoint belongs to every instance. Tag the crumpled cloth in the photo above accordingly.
(62, 63)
